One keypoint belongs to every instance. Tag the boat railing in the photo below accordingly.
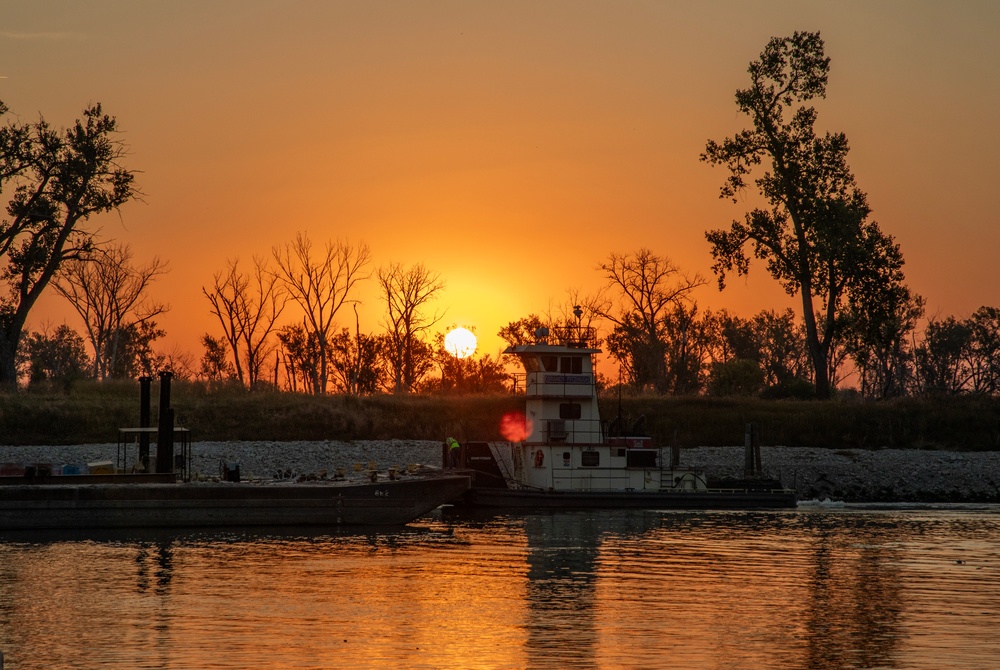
(519, 382)
(576, 337)
(751, 489)
(571, 480)
(129, 438)
(572, 431)
(560, 384)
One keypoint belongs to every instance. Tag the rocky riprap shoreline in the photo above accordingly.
(851, 475)
(862, 475)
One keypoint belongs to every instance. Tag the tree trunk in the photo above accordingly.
(9, 339)
(817, 353)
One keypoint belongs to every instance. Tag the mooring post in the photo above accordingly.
(144, 418)
(751, 445)
(165, 429)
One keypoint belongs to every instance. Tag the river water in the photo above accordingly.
(817, 587)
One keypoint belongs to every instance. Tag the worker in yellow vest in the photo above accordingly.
(454, 452)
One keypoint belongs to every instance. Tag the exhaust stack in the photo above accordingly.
(165, 432)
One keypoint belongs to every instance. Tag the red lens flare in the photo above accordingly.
(515, 426)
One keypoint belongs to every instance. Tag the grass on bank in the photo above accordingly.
(92, 412)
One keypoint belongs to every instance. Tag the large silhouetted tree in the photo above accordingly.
(814, 234)
(60, 179)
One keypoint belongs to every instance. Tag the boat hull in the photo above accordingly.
(701, 499)
(196, 504)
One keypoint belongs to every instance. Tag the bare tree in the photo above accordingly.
(407, 292)
(321, 285)
(108, 291)
(649, 287)
(248, 306)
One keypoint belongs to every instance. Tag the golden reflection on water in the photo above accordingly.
(806, 589)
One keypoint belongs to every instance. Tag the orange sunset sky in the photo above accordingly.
(509, 146)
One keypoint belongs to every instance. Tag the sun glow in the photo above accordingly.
(460, 343)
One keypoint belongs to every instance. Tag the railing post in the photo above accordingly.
(144, 419)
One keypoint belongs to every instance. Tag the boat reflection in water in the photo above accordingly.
(587, 589)
(817, 589)
(564, 560)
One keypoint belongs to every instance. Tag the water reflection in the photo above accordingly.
(807, 588)
(855, 599)
(161, 558)
(562, 567)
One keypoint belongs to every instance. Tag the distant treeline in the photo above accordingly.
(92, 413)
(286, 319)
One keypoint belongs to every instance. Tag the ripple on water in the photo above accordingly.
(819, 588)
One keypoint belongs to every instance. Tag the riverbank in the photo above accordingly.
(852, 475)
(93, 411)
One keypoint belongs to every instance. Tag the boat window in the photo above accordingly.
(590, 458)
(550, 363)
(570, 410)
(641, 458)
(557, 431)
(572, 365)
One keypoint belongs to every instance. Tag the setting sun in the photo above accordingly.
(460, 343)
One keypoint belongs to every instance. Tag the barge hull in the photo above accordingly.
(191, 505)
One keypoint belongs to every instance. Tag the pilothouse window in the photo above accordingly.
(570, 410)
(571, 365)
(550, 363)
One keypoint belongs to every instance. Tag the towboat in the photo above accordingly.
(567, 457)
